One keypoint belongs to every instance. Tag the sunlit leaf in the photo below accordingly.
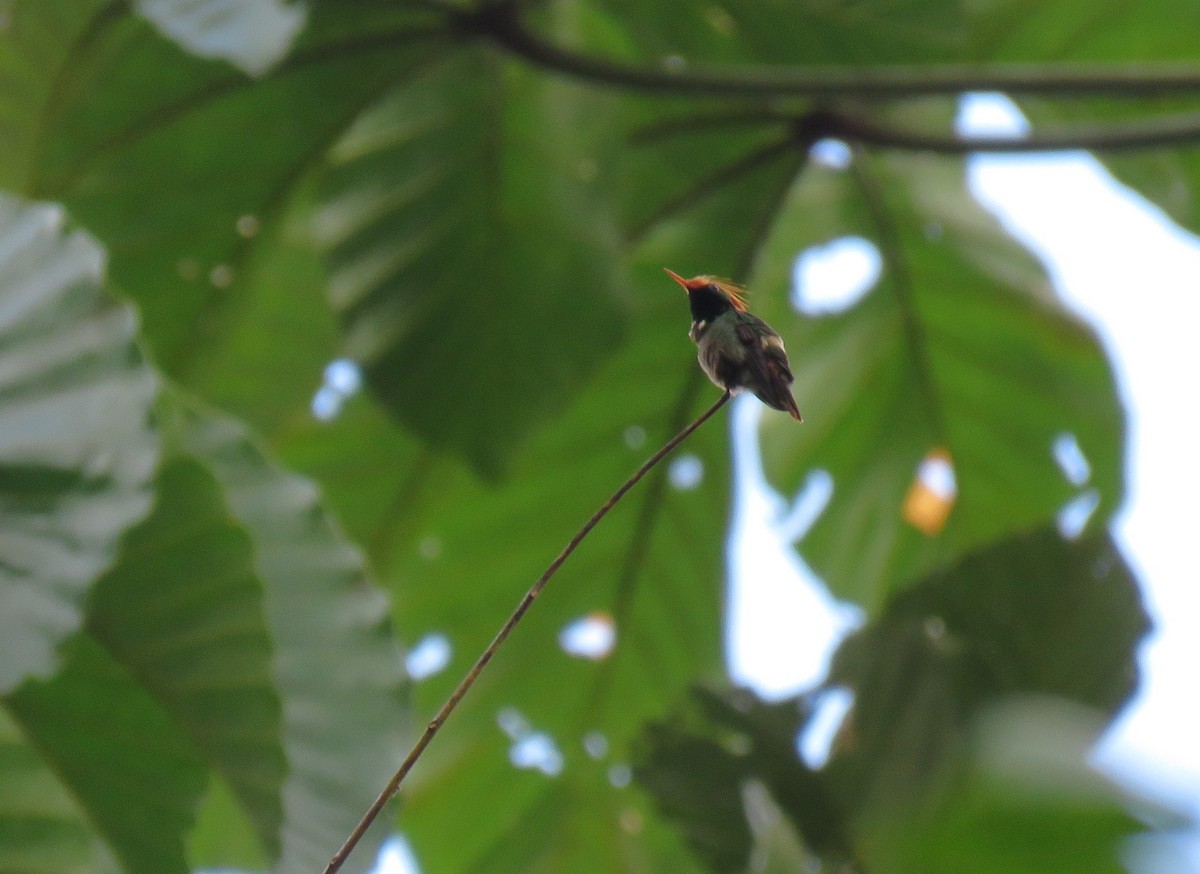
(337, 670)
(76, 446)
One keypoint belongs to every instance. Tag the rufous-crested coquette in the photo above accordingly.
(736, 349)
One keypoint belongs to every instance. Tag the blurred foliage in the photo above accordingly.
(204, 585)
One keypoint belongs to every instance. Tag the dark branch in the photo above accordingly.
(1144, 133)
(502, 23)
(1141, 134)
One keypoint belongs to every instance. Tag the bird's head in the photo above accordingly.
(709, 296)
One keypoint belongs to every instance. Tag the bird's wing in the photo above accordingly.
(768, 362)
(764, 352)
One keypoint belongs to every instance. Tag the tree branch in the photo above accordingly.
(1146, 133)
(472, 675)
(1140, 134)
(502, 23)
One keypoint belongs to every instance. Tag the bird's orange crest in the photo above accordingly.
(735, 292)
(729, 288)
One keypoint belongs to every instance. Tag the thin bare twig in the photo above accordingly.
(393, 786)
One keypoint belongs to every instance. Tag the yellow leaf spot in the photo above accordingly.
(932, 493)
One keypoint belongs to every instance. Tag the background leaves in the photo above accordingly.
(473, 205)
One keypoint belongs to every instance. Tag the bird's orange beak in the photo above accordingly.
(686, 286)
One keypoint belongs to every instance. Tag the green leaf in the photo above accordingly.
(1035, 614)
(795, 34)
(960, 351)
(118, 754)
(976, 697)
(337, 669)
(1109, 31)
(281, 297)
(42, 828)
(725, 769)
(251, 34)
(473, 267)
(1028, 802)
(76, 447)
(183, 613)
(706, 803)
(105, 113)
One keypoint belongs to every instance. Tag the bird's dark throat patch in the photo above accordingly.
(707, 303)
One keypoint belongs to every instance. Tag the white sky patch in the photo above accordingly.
(686, 472)
(833, 277)
(1074, 515)
(807, 507)
(782, 625)
(512, 722)
(251, 34)
(620, 775)
(1071, 460)
(341, 379)
(530, 750)
(936, 472)
(326, 404)
(536, 751)
(595, 744)
(395, 856)
(343, 375)
(815, 741)
(429, 656)
(589, 637)
(834, 154)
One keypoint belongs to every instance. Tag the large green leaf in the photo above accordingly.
(176, 639)
(472, 256)
(178, 163)
(76, 447)
(701, 765)
(183, 612)
(337, 670)
(44, 829)
(680, 35)
(118, 754)
(1026, 801)
(1033, 615)
(976, 697)
(961, 348)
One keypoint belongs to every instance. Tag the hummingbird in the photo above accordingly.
(737, 349)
